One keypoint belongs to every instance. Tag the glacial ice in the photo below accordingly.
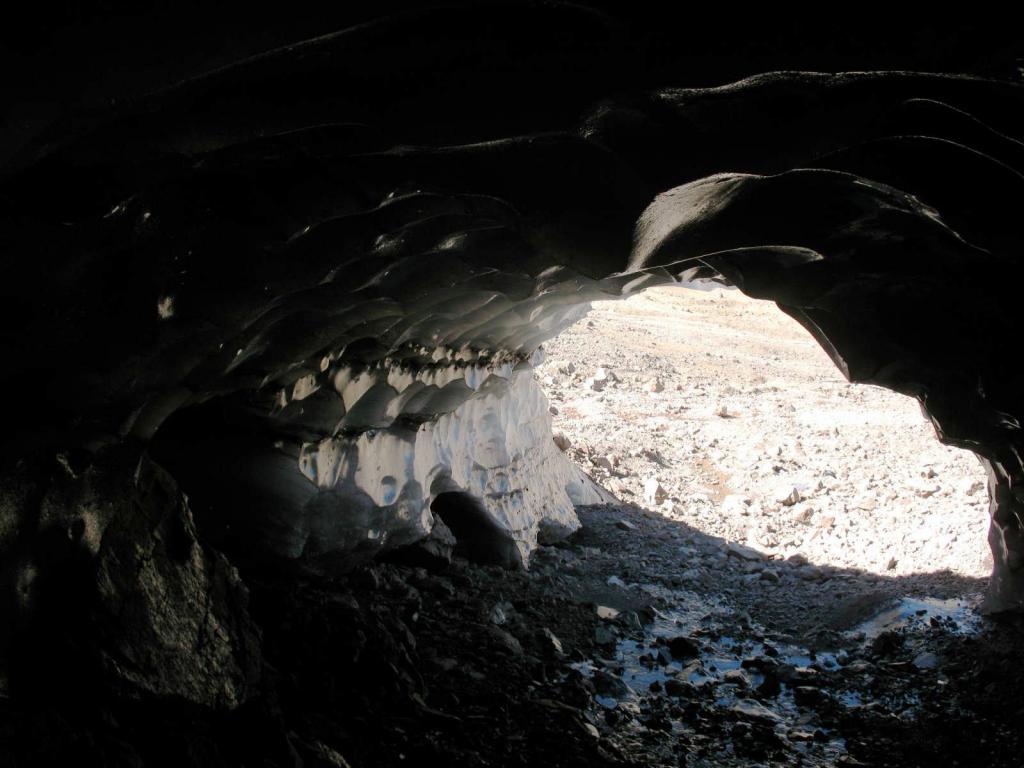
(495, 446)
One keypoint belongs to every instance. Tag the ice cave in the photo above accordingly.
(279, 485)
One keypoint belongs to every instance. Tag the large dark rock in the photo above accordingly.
(111, 592)
(172, 615)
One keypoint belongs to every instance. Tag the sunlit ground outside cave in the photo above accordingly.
(719, 411)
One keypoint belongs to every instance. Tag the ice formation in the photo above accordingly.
(494, 446)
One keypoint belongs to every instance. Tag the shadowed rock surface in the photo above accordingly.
(305, 289)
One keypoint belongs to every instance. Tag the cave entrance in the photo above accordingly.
(721, 412)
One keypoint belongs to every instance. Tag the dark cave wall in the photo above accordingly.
(197, 277)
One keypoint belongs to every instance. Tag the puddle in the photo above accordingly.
(725, 675)
(742, 678)
(956, 615)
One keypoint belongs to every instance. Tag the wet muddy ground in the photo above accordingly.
(744, 670)
(606, 653)
(642, 667)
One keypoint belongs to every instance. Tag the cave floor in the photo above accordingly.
(611, 650)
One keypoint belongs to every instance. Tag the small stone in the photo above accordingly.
(655, 385)
(616, 486)
(608, 684)
(802, 513)
(552, 639)
(605, 635)
(676, 687)
(787, 495)
(737, 677)
(867, 502)
(630, 620)
(808, 696)
(683, 648)
(799, 675)
(500, 612)
(735, 504)
(970, 486)
(749, 709)
(924, 489)
(670, 509)
(734, 549)
(625, 525)
(562, 440)
(770, 686)
(601, 379)
(770, 576)
(926, 660)
(324, 755)
(654, 493)
(507, 641)
(811, 573)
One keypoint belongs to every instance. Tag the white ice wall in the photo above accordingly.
(495, 446)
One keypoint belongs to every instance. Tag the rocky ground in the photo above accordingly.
(746, 669)
(721, 412)
(604, 653)
(608, 651)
